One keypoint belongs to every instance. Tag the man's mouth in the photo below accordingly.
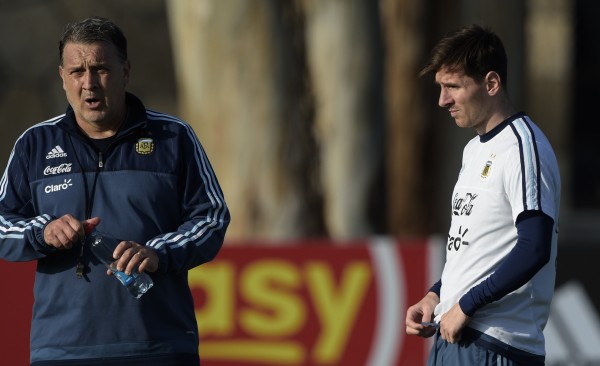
(92, 102)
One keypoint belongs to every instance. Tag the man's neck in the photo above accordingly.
(103, 129)
(498, 115)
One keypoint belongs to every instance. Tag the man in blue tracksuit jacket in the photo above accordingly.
(139, 175)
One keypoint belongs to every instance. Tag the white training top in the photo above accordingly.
(505, 172)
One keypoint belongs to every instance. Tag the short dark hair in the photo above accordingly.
(473, 49)
(95, 29)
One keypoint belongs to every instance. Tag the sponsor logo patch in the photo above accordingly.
(56, 152)
(59, 169)
(58, 187)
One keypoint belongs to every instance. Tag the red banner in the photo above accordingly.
(16, 282)
(304, 303)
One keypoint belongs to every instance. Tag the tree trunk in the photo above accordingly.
(406, 193)
(344, 54)
(240, 69)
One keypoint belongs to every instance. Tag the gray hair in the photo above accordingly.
(91, 30)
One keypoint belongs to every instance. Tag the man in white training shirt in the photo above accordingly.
(493, 300)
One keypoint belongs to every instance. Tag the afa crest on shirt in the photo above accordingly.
(144, 146)
(487, 169)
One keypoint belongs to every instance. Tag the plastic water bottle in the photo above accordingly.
(103, 246)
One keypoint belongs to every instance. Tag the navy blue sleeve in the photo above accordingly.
(436, 287)
(529, 255)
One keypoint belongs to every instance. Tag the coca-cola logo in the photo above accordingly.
(59, 169)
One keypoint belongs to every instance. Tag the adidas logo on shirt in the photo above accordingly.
(56, 152)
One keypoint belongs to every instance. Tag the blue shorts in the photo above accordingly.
(478, 349)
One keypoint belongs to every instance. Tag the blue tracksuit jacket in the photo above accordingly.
(153, 185)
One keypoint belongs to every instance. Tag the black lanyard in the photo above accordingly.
(88, 199)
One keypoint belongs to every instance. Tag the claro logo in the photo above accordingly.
(58, 187)
(62, 168)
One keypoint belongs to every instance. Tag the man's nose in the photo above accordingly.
(89, 80)
(445, 99)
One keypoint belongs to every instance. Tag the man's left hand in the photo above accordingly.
(452, 323)
(130, 255)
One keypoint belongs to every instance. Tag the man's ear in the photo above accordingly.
(493, 83)
(126, 71)
(61, 72)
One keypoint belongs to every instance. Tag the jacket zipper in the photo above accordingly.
(80, 267)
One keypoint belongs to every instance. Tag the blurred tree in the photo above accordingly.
(288, 97)
(241, 71)
(345, 64)
(404, 34)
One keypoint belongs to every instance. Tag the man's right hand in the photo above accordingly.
(65, 231)
(422, 312)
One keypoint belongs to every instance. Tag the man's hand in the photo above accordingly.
(422, 312)
(130, 255)
(452, 324)
(65, 231)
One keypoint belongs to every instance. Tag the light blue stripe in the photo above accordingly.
(218, 209)
(4, 181)
(16, 230)
(529, 161)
